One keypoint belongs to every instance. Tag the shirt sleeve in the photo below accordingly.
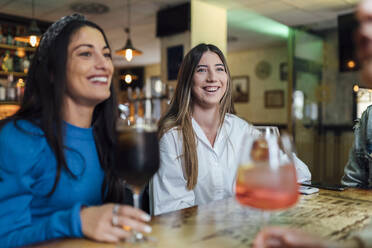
(355, 171)
(354, 174)
(168, 186)
(20, 156)
(302, 171)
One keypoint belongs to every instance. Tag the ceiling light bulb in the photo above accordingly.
(33, 40)
(129, 54)
(351, 64)
(128, 78)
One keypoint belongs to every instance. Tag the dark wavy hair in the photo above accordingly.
(42, 106)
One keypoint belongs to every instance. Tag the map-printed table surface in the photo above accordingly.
(226, 223)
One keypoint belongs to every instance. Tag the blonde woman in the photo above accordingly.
(199, 136)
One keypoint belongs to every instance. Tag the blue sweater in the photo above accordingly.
(27, 172)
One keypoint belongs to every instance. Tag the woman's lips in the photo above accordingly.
(211, 88)
(99, 79)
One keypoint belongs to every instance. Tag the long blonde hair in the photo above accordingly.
(180, 110)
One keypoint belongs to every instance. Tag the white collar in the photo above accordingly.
(222, 131)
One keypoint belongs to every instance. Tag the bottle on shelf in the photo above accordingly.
(9, 38)
(1, 33)
(17, 63)
(11, 91)
(22, 31)
(17, 34)
(2, 93)
(7, 64)
(20, 89)
(26, 64)
(15, 57)
(2, 55)
(5, 34)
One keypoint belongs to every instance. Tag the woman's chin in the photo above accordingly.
(99, 99)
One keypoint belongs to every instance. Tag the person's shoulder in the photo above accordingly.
(20, 140)
(235, 120)
(21, 130)
(367, 111)
(172, 132)
(364, 118)
(172, 137)
(239, 124)
(369, 108)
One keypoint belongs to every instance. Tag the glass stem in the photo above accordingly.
(264, 218)
(136, 202)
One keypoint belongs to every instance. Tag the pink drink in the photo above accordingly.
(267, 189)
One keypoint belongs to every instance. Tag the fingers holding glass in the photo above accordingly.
(128, 222)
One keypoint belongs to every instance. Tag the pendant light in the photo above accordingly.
(128, 77)
(128, 51)
(33, 33)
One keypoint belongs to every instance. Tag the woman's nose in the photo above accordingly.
(102, 62)
(211, 76)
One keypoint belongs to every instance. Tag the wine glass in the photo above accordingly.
(266, 177)
(137, 150)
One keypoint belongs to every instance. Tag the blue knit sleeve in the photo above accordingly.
(20, 156)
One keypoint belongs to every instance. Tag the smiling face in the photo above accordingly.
(89, 68)
(209, 81)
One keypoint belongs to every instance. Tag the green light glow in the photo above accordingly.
(254, 22)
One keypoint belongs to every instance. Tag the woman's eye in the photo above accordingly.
(86, 54)
(220, 69)
(201, 70)
(107, 55)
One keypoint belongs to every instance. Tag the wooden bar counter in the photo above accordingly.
(225, 223)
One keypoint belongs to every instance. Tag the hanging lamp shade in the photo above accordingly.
(128, 51)
(33, 34)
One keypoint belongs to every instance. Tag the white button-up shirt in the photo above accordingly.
(217, 167)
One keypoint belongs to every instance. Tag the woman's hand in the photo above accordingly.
(97, 222)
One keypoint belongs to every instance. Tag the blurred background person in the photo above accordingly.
(356, 172)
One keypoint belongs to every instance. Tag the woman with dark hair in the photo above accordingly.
(56, 152)
(200, 136)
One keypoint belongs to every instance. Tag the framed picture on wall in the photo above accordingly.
(274, 99)
(240, 88)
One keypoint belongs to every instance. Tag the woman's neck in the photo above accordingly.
(80, 116)
(209, 121)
